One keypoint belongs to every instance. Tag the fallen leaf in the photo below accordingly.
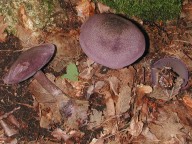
(103, 8)
(141, 91)
(88, 72)
(99, 85)
(60, 134)
(94, 88)
(28, 37)
(78, 115)
(3, 26)
(72, 72)
(68, 48)
(85, 8)
(25, 19)
(166, 126)
(114, 84)
(188, 101)
(187, 11)
(110, 126)
(149, 135)
(123, 101)
(97, 141)
(90, 91)
(127, 76)
(144, 89)
(135, 127)
(110, 107)
(176, 140)
(96, 118)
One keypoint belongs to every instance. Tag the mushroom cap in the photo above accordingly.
(177, 66)
(28, 63)
(111, 40)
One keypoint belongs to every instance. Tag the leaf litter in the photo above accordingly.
(108, 106)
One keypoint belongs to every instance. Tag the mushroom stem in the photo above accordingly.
(47, 84)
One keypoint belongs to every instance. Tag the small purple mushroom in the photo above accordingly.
(175, 64)
(111, 40)
(29, 63)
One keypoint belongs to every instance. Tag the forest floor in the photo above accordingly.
(111, 106)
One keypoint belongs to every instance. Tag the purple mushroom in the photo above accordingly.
(111, 40)
(29, 63)
(175, 64)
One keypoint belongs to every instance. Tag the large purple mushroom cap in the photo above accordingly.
(111, 40)
(177, 66)
(28, 63)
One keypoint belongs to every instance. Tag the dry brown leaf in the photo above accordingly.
(70, 88)
(97, 141)
(49, 114)
(187, 11)
(176, 140)
(64, 85)
(127, 75)
(149, 135)
(110, 126)
(25, 20)
(68, 48)
(26, 32)
(188, 101)
(124, 98)
(144, 89)
(88, 72)
(110, 107)
(167, 126)
(96, 118)
(28, 37)
(94, 88)
(135, 127)
(103, 8)
(114, 84)
(85, 8)
(78, 115)
(141, 91)
(3, 26)
(99, 85)
(60, 134)
(90, 91)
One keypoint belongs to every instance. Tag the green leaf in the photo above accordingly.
(72, 72)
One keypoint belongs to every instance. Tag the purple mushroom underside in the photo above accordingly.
(177, 66)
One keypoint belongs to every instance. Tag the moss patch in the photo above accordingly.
(150, 10)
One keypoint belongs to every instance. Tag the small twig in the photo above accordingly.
(144, 74)
(14, 50)
(27, 105)
(7, 114)
(183, 41)
(119, 132)
(187, 55)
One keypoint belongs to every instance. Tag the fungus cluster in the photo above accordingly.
(111, 40)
